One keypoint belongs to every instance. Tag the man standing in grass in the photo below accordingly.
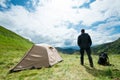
(84, 42)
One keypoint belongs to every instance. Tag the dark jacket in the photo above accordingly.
(84, 41)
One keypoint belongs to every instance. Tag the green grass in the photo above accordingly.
(13, 47)
(10, 41)
(69, 69)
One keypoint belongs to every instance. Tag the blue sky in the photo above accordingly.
(58, 22)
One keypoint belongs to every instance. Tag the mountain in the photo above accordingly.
(67, 50)
(12, 41)
(112, 47)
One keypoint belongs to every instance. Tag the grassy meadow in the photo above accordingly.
(13, 47)
(68, 69)
(10, 41)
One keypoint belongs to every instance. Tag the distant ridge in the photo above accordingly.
(112, 47)
(67, 50)
(12, 41)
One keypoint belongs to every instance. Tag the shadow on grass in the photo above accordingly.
(110, 73)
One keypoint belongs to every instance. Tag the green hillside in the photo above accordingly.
(13, 47)
(112, 47)
(11, 41)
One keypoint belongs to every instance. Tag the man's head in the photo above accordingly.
(82, 30)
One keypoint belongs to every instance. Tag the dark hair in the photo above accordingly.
(82, 30)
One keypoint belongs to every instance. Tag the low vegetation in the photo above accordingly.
(112, 47)
(13, 47)
(11, 41)
(69, 69)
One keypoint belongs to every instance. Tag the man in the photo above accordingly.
(84, 42)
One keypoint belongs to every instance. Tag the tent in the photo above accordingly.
(40, 55)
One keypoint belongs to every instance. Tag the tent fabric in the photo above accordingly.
(40, 55)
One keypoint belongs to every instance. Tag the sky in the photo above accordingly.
(58, 22)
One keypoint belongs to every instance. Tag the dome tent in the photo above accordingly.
(40, 55)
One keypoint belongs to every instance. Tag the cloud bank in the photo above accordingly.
(58, 22)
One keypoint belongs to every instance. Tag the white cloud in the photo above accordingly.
(47, 23)
(2, 3)
(104, 33)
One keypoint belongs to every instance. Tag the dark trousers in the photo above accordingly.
(88, 51)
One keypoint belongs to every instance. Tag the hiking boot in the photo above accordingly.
(91, 65)
(82, 64)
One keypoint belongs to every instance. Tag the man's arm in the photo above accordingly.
(90, 41)
(78, 41)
